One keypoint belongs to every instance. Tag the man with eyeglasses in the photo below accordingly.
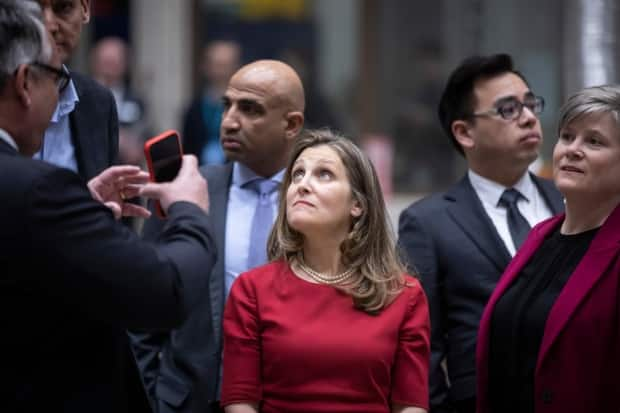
(73, 279)
(460, 241)
(83, 131)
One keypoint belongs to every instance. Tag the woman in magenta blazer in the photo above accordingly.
(549, 339)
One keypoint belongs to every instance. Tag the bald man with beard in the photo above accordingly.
(263, 115)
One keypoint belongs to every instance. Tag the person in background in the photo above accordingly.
(108, 65)
(73, 278)
(263, 115)
(108, 61)
(332, 323)
(549, 337)
(461, 240)
(201, 122)
(319, 112)
(83, 133)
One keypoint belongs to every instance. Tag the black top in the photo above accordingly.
(519, 317)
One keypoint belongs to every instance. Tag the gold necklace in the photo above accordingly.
(322, 278)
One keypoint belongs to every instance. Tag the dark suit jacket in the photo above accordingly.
(94, 127)
(579, 357)
(451, 242)
(73, 280)
(201, 125)
(181, 369)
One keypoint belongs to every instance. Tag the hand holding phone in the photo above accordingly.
(189, 186)
(164, 158)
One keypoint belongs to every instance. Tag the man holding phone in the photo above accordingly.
(263, 115)
(73, 278)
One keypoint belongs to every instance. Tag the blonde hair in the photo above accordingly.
(596, 99)
(369, 246)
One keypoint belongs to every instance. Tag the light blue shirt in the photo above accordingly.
(57, 145)
(242, 203)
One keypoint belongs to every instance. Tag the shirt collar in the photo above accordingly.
(66, 101)
(242, 175)
(490, 191)
(4, 135)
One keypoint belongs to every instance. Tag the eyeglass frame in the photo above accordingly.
(538, 101)
(63, 78)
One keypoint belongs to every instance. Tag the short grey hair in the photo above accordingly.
(591, 100)
(23, 37)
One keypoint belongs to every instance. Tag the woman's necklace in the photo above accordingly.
(322, 278)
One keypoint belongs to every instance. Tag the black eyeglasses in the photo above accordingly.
(62, 77)
(511, 108)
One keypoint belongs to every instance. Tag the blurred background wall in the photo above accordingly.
(373, 68)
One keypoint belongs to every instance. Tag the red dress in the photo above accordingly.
(296, 346)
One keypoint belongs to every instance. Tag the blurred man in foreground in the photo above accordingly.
(73, 278)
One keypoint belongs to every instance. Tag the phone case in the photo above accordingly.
(168, 134)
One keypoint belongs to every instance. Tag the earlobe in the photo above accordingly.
(22, 85)
(460, 130)
(85, 11)
(356, 211)
(294, 123)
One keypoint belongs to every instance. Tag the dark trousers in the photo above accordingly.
(465, 405)
(215, 408)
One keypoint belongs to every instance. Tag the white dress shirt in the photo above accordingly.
(532, 205)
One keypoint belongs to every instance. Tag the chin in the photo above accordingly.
(299, 224)
(569, 188)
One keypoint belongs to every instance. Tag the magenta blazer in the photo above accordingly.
(578, 367)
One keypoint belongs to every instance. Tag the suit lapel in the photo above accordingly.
(550, 194)
(601, 253)
(6, 148)
(80, 134)
(469, 214)
(219, 185)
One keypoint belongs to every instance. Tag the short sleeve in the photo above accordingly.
(410, 373)
(241, 376)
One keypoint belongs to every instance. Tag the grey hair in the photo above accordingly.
(23, 37)
(591, 100)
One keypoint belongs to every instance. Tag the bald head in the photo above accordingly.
(276, 77)
(263, 115)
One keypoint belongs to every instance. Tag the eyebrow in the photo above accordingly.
(319, 161)
(247, 101)
(528, 94)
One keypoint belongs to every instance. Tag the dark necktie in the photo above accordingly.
(517, 224)
(262, 221)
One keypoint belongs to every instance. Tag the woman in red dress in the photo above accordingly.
(332, 323)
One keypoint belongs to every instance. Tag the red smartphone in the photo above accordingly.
(164, 156)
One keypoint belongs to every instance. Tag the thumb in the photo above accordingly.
(115, 208)
(189, 165)
(151, 190)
